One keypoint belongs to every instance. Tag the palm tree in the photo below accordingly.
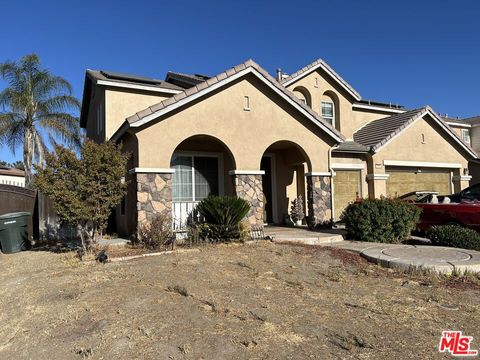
(36, 104)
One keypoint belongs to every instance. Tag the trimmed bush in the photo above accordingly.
(222, 216)
(380, 220)
(454, 236)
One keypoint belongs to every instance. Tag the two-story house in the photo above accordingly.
(268, 140)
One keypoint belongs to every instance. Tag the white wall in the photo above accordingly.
(12, 180)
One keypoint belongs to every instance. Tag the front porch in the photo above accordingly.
(203, 165)
(303, 235)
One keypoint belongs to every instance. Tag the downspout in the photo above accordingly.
(331, 179)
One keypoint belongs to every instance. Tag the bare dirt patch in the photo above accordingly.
(227, 301)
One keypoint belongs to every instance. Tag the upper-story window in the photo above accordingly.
(303, 95)
(328, 112)
(466, 136)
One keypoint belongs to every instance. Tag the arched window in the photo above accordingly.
(303, 95)
(330, 109)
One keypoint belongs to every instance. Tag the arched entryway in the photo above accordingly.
(285, 164)
(201, 167)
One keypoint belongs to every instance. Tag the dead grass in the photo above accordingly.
(228, 301)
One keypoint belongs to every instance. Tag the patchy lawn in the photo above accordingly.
(238, 301)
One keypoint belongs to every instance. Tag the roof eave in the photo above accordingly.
(237, 72)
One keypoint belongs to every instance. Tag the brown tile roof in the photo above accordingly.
(378, 132)
(320, 63)
(11, 172)
(454, 120)
(472, 120)
(136, 118)
(351, 147)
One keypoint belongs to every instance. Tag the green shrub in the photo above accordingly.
(156, 234)
(222, 216)
(454, 236)
(380, 220)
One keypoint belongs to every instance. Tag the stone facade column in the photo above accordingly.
(319, 195)
(154, 195)
(248, 186)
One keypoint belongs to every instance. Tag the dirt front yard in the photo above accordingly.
(261, 301)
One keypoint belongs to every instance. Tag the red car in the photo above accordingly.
(465, 213)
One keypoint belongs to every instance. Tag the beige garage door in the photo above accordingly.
(403, 181)
(346, 188)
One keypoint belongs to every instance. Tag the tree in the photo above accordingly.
(15, 165)
(36, 104)
(84, 189)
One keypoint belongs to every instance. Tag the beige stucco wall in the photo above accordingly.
(347, 120)
(408, 146)
(122, 103)
(246, 133)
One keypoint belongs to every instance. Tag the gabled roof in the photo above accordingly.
(378, 133)
(320, 64)
(249, 67)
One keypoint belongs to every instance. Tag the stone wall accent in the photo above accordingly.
(250, 188)
(154, 196)
(319, 196)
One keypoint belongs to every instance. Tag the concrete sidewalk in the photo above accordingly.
(302, 235)
(437, 258)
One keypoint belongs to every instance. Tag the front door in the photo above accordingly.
(266, 165)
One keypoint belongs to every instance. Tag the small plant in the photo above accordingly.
(156, 234)
(223, 216)
(454, 236)
(296, 211)
(380, 220)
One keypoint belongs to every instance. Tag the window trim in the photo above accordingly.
(333, 111)
(463, 132)
(221, 175)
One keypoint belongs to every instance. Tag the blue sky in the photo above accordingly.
(408, 52)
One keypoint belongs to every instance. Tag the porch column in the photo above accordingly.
(460, 182)
(248, 186)
(319, 195)
(377, 185)
(154, 193)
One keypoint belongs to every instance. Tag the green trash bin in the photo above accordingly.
(14, 232)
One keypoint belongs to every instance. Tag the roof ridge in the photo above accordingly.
(333, 73)
(222, 76)
(377, 133)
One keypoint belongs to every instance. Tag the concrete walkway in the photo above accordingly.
(302, 235)
(440, 259)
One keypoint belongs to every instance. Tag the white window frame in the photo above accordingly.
(467, 132)
(193, 154)
(326, 118)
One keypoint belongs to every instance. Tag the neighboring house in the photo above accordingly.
(10, 176)
(268, 140)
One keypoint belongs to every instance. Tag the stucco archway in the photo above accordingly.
(285, 164)
(201, 165)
